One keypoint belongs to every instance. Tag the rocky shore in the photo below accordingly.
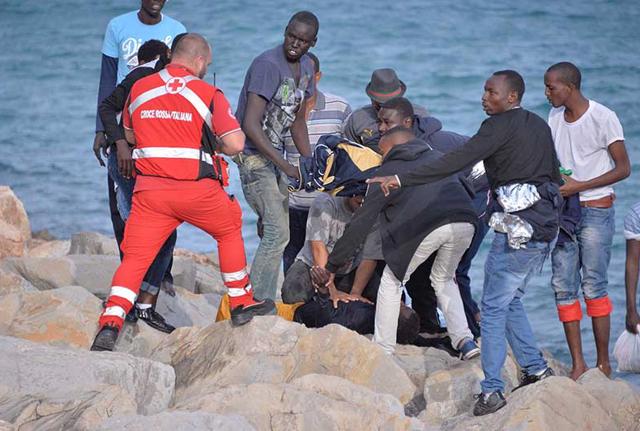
(268, 375)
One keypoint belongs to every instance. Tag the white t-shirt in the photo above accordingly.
(582, 146)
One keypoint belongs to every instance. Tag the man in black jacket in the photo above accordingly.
(399, 112)
(414, 223)
(518, 152)
(152, 56)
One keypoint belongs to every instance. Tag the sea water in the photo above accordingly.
(442, 50)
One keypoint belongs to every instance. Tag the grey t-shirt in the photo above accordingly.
(328, 217)
(270, 77)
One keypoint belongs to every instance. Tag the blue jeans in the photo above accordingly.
(507, 272)
(297, 233)
(265, 189)
(160, 269)
(584, 263)
(462, 273)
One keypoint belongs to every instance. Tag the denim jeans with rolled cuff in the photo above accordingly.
(584, 263)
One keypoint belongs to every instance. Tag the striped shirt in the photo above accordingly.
(326, 118)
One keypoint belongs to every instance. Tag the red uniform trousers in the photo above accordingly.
(154, 215)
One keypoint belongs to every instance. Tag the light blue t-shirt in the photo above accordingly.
(125, 34)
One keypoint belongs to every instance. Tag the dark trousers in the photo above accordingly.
(160, 269)
(423, 297)
(297, 234)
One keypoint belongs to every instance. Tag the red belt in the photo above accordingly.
(605, 202)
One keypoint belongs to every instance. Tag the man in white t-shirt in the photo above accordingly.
(589, 141)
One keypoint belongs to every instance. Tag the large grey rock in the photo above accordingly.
(272, 350)
(617, 397)
(139, 339)
(290, 407)
(187, 308)
(15, 231)
(82, 411)
(176, 420)
(45, 387)
(197, 274)
(93, 243)
(421, 362)
(554, 404)
(56, 248)
(11, 282)
(67, 316)
(450, 392)
(94, 272)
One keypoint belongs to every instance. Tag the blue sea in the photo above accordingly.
(442, 50)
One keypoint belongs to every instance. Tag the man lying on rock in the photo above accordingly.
(414, 223)
(356, 283)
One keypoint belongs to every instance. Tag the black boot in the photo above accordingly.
(244, 313)
(106, 339)
(152, 318)
(489, 403)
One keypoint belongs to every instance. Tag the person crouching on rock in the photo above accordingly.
(415, 223)
(176, 121)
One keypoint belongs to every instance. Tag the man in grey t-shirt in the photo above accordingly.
(328, 217)
(272, 103)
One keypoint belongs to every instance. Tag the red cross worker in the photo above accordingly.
(177, 122)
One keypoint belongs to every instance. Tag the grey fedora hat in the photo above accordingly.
(385, 85)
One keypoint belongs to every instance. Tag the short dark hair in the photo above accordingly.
(316, 61)
(569, 73)
(149, 50)
(306, 17)
(176, 39)
(401, 105)
(514, 80)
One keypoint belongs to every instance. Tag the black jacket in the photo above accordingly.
(114, 103)
(407, 215)
(429, 129)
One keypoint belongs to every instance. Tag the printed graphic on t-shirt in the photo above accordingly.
(282, 108)
(130, 48)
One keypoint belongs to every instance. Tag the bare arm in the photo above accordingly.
(232, 143)
(631, 284)
(252, 127)
(320, 253)
(363, 275)
(621, 170)
(300, 134)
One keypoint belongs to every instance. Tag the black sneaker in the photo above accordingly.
(152, 318)
(529, 379)
(488, 403)
(243, 314)
(106, 339)
(131, 315)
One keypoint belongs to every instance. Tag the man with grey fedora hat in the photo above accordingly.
(362, 124)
